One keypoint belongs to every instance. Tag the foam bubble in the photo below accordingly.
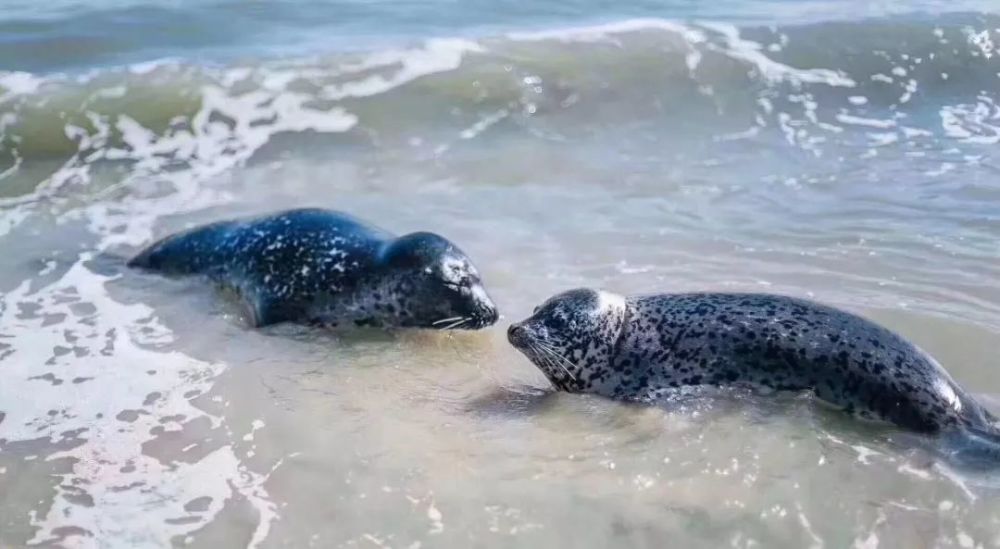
(977, 122)
(771, 70)
(606, 32)
(18, 83)
(109, 465)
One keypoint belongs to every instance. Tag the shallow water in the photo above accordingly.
(853, 161)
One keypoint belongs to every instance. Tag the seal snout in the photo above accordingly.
(486, 316)
(517, 335)
(491, 315)
(486, 312)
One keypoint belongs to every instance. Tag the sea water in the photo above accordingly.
(842, 151)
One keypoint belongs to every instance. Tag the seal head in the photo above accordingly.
(572, 337)
(434, 284)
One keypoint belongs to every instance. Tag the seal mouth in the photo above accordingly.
(488, 317)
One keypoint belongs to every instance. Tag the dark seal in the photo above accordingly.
(640, 348)
(324, 267)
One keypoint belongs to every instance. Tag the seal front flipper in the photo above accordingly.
(264, 312)
(262, 308)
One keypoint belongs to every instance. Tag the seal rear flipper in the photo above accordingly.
(107, 263)
(190, 252)
(174, 254)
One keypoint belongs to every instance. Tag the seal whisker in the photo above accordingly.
(564, 385)
(456, 324)
(565, 365)
(556, 358)
(445, 320)
(555, 353)
(546, 362)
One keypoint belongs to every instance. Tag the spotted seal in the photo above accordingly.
(640, 348)
(325, 267)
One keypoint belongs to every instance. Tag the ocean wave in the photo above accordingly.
(905, 78)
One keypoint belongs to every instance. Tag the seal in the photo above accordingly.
(316, 266)
(643, 347)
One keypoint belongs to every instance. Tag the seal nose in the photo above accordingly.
(516, 334)
(486, 316)
(486, 311)
(492, 315)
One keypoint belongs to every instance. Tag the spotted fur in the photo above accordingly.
(321, 266)
(640, 348)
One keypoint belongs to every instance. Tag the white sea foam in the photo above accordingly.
(845, 118)
(606, 31)
(483, 124)
(435, 56)
(18, 83)
(977, 122)
(109, 464)
(771, 70)
(735, 47)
